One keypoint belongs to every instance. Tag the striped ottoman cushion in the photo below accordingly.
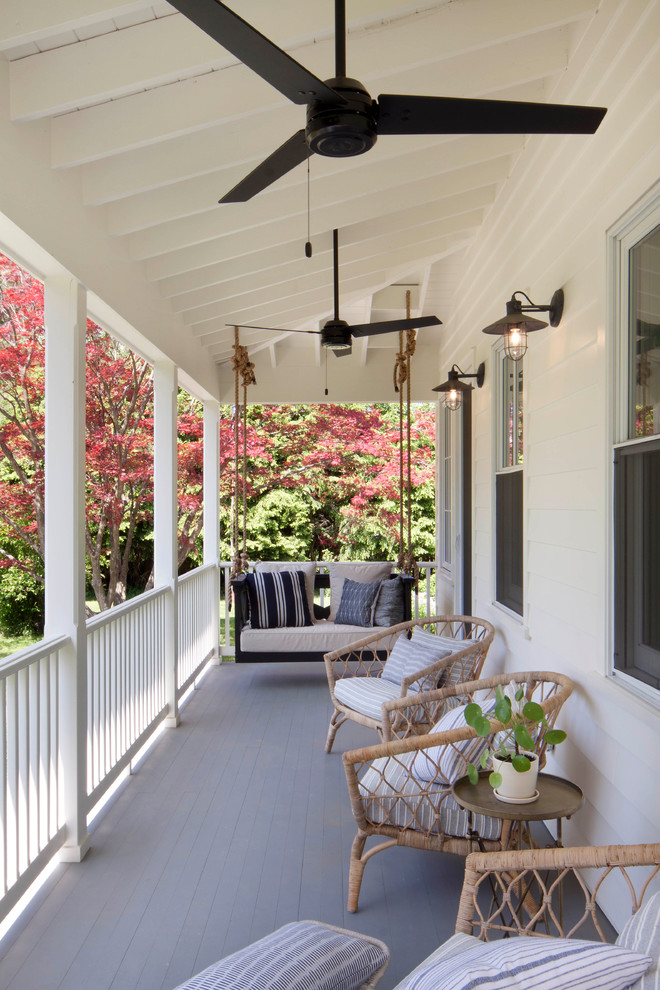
(304, 955)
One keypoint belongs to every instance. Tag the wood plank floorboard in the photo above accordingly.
(233, 824)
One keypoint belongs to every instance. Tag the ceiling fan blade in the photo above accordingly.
(251, 326)
(391, 326)
(293, 152)
(256, 51)
(450, 115)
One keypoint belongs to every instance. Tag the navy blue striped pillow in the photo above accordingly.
(277, 599)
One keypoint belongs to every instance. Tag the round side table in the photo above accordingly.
(558, 799)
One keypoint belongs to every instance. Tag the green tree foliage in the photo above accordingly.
(342, 463)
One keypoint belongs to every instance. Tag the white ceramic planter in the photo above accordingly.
(517, 787)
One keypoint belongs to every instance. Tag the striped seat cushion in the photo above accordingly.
(391, 796)
(530, 962)
(303, 955)
(278, 599)
(366, 694)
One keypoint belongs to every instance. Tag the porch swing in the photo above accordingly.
(276, 616)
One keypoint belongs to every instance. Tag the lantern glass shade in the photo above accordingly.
(452, 398)
(515, 343)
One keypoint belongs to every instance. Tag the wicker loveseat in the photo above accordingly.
(263, 642)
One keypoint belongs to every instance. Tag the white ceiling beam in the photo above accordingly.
(284, 280)
(367, 276)
(232, 141)
(143, 118)
(22, 23)
(111, 66)
(385, 170)
(189, 232)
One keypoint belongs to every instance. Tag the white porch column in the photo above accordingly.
(165, 518)
(66, 319)
(211, 509)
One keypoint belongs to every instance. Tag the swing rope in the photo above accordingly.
(243, 374)
(402, 376)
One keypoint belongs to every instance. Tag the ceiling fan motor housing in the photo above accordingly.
(346, 130)
(336, 334)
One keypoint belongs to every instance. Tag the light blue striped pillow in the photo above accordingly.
(530, 962)
(449, 760)
(410, 655)
(642, 934)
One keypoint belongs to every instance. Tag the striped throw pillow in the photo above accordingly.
(530, 962)
(449, 761)
(278, 599)
(642, 934)
(411, 655)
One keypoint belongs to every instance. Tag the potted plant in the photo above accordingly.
(514, 763)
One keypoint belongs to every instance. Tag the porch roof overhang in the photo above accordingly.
(122, 124)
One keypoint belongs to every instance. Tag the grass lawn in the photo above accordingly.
(12, 644)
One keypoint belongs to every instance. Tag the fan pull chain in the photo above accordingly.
(308, 244)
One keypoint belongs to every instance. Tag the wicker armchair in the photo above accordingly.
(406, 798)
(542, 875)
(467, 637)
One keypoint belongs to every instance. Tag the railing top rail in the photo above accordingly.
(197, 572)
(32, 654)
(118, 611)
(326, 563)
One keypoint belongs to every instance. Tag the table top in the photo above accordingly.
(558, 798)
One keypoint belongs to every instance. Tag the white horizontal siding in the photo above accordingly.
(549, 229)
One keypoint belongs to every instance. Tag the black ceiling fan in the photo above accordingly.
(342, 118)
(336, 334)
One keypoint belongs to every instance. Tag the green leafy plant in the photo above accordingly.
(520, 718)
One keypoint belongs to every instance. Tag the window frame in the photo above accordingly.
(622, 238)
(500, 422)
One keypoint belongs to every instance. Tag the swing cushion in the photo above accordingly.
(278, 599)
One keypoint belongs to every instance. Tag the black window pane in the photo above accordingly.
(509, 528)
(637, 562)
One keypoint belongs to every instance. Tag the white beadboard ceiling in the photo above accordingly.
(159, 121)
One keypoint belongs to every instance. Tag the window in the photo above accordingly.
(637, 462)
(509, 488)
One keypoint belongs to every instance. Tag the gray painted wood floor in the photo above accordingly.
(234, 824)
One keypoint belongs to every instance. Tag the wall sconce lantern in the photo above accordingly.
(515, 326)
(452, 390)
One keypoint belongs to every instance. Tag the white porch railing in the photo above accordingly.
(125, 685)
(126, 700)
(30, 770)
(197, 622)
